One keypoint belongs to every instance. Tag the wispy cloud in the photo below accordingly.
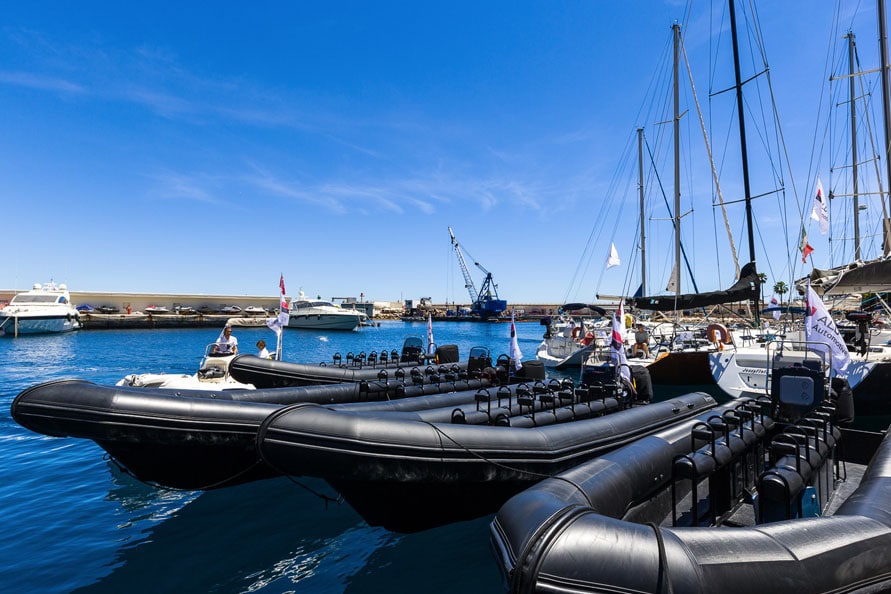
(39, 82)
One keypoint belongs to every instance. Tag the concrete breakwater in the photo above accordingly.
(94, 321)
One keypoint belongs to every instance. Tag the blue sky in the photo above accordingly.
(165, 147)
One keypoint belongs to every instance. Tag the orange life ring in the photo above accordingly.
(718, 333)
(575, 332)
(588, 338)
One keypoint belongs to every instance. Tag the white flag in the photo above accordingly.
(774, 307)
(613, 258)
(822, 334)
(820, 212)
(617, 344)
(430, 345)
(515, 355)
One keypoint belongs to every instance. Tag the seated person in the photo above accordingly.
(641, 341)
(226, 344)
(261, 348)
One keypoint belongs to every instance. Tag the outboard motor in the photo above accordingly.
(604, 381)
(478, 360)
(860, 339)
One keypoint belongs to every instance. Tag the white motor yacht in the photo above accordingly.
(44, 309)
(317, 314)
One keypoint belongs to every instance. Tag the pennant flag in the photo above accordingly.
(820, 212)
(774, 307)
(515, 355)
(281, 321)
(617, 344)
(430, 346)
(821, 333)
(613, 258)
(804, 246)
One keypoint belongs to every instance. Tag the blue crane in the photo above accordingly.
(485, 303)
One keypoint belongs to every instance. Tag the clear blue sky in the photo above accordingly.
(172, 147)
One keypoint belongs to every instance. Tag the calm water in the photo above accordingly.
(74, 523)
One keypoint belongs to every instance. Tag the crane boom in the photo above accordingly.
(468, 281)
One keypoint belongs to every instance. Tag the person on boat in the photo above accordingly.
(226, 344)
(641, 341)
(261, 348)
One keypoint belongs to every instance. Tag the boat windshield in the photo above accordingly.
(27, 298)
(300, 304)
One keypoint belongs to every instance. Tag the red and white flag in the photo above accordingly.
(820, 211)
(277, 323)
(515, 355)
(617, 344)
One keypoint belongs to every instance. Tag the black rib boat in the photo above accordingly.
(755, 496)
(413, 473)
(205, 439)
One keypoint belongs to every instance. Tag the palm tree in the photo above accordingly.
(780, 288)
(762, 280)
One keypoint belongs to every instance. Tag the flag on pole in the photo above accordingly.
(430, 346)
(820, 212)
(774, 307)
(821, 333)
(617, 344)
(804, 246)
(613, 258)
(515, 355)
(277, 323)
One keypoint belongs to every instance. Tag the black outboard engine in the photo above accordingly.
(546, 322)
(860, 339)
(605, 381)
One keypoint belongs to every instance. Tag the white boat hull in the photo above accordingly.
(744, 372)
(345, 321)
(13, 325)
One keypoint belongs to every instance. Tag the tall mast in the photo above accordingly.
(742, 146)
(643, 226)
(677, 166)
(854, 180)
(886, 103)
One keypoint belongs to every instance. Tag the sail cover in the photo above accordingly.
(745, 289)
(857, 277)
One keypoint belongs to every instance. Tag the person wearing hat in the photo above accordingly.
(226, 344)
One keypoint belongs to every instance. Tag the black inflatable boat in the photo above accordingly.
(755, 496)
(412, 473)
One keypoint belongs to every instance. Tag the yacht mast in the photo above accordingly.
(742, 146)
(886, 103)
(854, 181)
(643, 226)
(677, 167)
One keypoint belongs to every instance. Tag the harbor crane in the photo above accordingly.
(485, 303)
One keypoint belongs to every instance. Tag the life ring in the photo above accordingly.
(575, 332)
(718, 333)
(589, 337)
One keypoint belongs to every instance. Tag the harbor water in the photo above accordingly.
(74, 522)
